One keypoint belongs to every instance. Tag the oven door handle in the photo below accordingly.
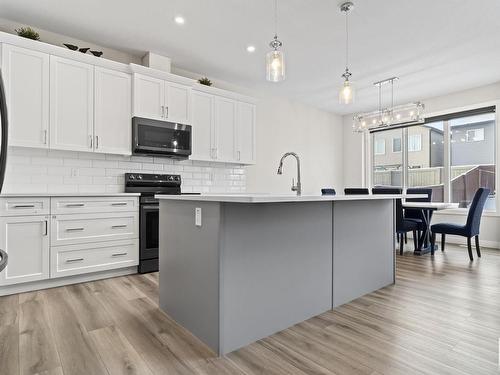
(150, 207)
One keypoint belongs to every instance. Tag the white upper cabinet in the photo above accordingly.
(71, 105)
(203, 131)
(149, 97)
(177, 103)
(225, 129)
(112, 112)
(26, 76)
(245, 132)
(161, 100)
(26, 241)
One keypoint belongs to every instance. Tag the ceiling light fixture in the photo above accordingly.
(180, 20)
(346, 93)
(251, 49)
(275, 59)
(391, 117)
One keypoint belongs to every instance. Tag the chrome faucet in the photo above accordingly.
(298, 187)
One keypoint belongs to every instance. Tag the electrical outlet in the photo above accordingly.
(197, 216)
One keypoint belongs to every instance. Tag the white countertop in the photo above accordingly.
(69, 195)
(269, 198)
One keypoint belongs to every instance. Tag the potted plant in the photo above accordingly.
(205, 81)
(27, 32)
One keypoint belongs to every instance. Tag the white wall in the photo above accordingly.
(353, 160)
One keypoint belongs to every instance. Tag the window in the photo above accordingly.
(475, 135)
(396, 144)
(415, 142)
(453, 155)
(387, 168)
(380, 147)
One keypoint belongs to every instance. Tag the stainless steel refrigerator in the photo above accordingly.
(3, 152)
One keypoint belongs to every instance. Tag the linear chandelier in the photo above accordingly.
(390, 117)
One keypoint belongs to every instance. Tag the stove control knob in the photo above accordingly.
(139, 177)
(132, 177)
(170, 178)
(177, 178)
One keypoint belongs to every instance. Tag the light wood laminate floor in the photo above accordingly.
(441, 317)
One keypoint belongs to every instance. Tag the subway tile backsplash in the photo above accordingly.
(49, 171)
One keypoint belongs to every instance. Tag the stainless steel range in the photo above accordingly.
(148, 185)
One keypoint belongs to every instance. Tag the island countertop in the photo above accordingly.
(271, 198)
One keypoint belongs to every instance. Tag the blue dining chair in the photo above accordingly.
(471, 227)
(356, 191)
(402, 225)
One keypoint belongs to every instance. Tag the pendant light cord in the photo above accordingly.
(347, 40)
(275, 18)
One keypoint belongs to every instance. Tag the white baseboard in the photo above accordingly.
(54, 283)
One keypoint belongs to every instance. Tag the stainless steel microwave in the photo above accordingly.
(154, 137)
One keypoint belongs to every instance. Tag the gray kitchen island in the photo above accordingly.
(238, 268)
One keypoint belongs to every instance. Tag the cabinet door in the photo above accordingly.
(149, 97)
(71, 104)
(203, 126)
(26, 241)
(113, 112)
(26, 78)
(177, 103)
(245, 152)
(225, 133)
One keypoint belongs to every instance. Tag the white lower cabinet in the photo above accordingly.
(49, 238)
(26, 241)
(73, 260)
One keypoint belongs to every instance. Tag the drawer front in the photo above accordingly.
(24, 206)
(75, 205)
(86, 228)
(79, 259)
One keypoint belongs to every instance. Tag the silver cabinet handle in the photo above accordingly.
(45, 137)
(23, 206)
(46, 228)
(166, 116)
(74, 260)
(74, 229)
(96, 142)
(91, 141)
(119, 203)
(119, 254)
(239, 155)
(162, 111)
(119, 226)
(75, 204)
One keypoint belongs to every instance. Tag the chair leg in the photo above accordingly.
(443, 241)
(397, 237)
(415, 240)
(401, 245)
(478, 250)
(433, 242)
(469, 248)
(406, 238)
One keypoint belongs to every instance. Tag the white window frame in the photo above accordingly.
(379, 141)
(400, 145)
(416, 136)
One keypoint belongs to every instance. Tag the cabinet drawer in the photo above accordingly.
(78, 259)
(24, 206)
(73, 205)
(85, 228)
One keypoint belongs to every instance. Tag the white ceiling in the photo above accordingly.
(435, 47)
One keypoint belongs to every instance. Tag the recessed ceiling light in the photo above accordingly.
(179, 20)
(251, 49)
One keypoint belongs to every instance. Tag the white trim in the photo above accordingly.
(53, 283)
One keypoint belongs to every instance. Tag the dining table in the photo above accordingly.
(427, 208)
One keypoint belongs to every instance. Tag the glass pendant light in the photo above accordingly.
(346, 93)
(275, 59)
